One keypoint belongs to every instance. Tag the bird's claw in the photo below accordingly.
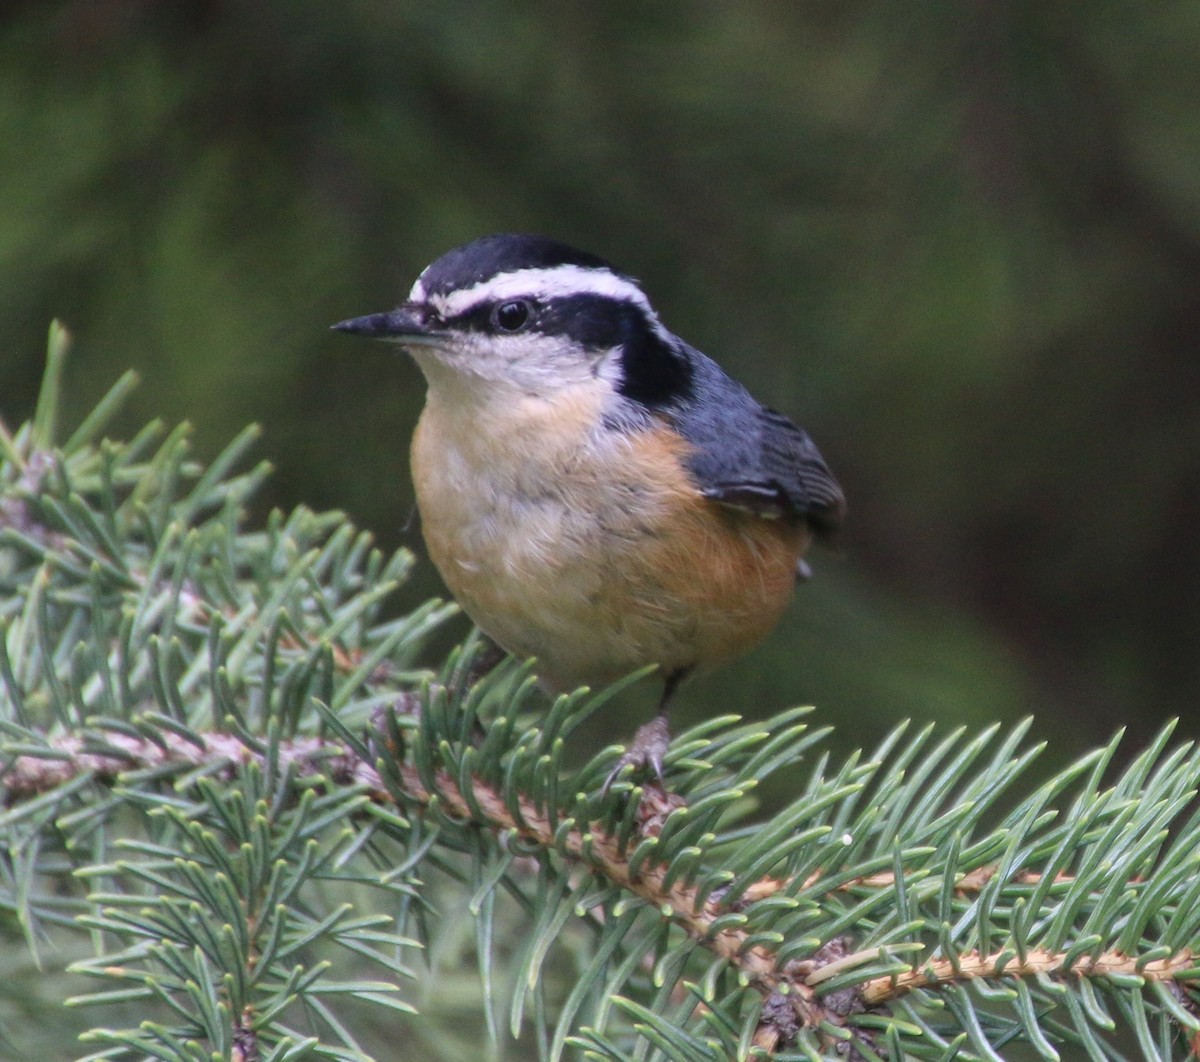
(648, 749)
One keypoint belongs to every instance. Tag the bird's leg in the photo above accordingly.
(650, 743)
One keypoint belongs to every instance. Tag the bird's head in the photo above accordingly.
(534, 315)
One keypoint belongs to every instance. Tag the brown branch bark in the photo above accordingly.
(972, 965)
(970, 882)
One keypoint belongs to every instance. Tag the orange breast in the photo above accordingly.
(593, 550)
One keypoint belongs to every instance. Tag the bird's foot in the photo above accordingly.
(647, 750)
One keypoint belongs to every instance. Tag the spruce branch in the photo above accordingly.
(1180, 966)
(67, 759)
(789, 991)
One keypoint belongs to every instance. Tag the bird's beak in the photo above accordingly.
(401, 325)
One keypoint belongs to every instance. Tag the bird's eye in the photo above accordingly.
(511, 316)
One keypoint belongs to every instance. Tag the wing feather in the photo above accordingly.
(752, 458)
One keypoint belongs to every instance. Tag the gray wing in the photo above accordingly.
(749, 457)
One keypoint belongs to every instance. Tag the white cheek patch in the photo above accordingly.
(537, 362)
(608, 367)
(530, 362)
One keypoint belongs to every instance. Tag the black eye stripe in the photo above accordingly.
(596, 321)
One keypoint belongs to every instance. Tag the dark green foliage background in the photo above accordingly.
(960, 242)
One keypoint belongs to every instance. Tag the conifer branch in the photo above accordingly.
(67, 757)
(971, 881)
(791, 1001)
(969, 966)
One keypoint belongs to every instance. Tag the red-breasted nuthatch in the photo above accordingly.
(595, 492)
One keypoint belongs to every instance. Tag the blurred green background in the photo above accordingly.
(959, 242)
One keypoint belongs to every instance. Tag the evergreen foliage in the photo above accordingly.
(254, 829)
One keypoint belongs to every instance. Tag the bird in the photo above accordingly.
(595, 492)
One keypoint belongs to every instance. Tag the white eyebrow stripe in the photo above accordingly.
(558, 282)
